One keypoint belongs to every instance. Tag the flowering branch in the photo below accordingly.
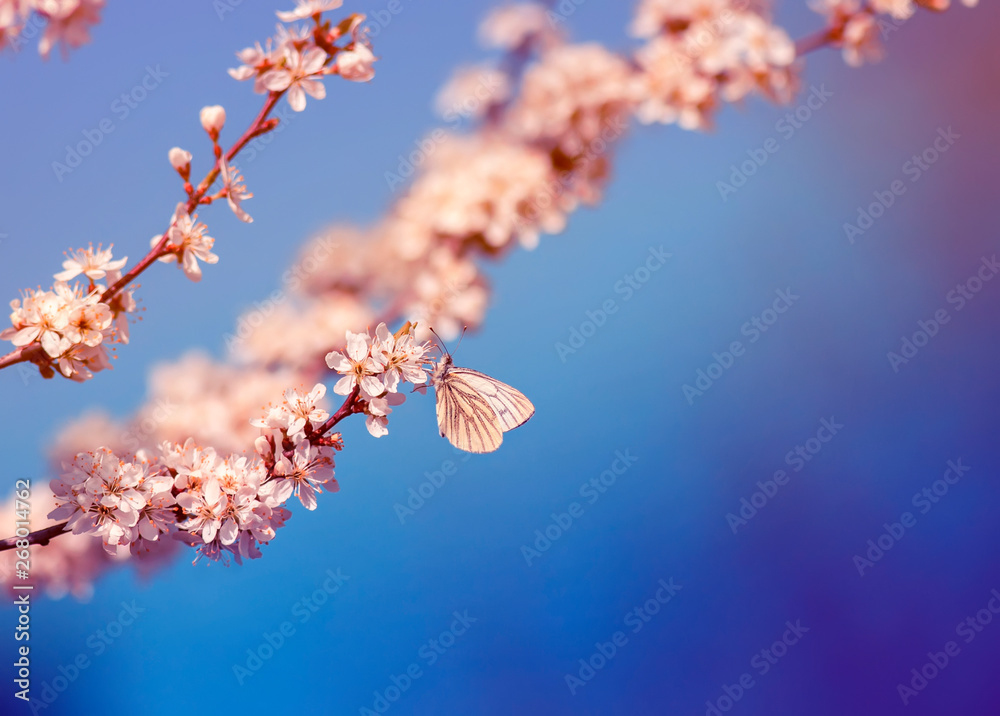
(69, 327)
(40, 537)
(260, 125)
(66, 22)
(543, 126)
(226, 507)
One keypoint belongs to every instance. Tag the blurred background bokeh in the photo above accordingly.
(665, 517)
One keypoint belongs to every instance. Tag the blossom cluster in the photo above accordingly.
(71, 323)
(67, 328)
(223, 506)
(376, 368)
(858, 27)
(549, 115)
(67, 565)
(143, 493)
(64, 21)
(543, 148)
(297, 58)
(700, 53)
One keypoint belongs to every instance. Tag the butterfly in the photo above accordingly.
(475, 410)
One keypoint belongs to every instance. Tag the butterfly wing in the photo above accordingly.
(510, 405)
(465, 417)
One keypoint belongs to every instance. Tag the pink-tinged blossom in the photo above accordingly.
(304, 408)
(356, 63)
(179, 159)
(236, 190)
(898, 9)
(510, 27)
(69, 22)
(257, 60)
(448, 292)
(307, 8)
(187, 243)
(357, 365)
(88, 321)
(294, 75)
(193, 466)
(213, 118)
(701, 53)
(69, 325)
(122, 304)
(40, 316)
(208, 401)
(304, 474)
(485, 185)
(378, 410)
(402, 358)
(861, 40)
(103, 494)
(204, 509)
(69, 564)
(296, 334)
(92, 264)
(80, 362)
(471, 92)
(296, 411)
(572, 96)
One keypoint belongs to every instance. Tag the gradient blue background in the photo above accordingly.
(665, 518)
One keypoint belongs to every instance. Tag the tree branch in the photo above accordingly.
(261, 125)
(41, 536)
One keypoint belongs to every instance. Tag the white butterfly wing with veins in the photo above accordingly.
(475, 410)
(511, 406)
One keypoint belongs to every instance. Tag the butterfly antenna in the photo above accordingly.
(441, 342)
(464, 329)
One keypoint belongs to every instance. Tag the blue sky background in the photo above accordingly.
(665, 517)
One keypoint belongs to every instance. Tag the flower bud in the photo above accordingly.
(179, 159)
(212, 119)
(263, 446)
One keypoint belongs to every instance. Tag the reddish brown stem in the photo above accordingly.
(254, 130)
(346, 409)
(259, 126)
(816, 41)
(41, 536)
